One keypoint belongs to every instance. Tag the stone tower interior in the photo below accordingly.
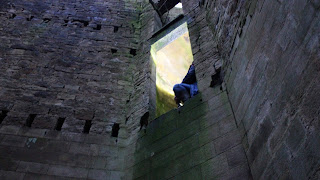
(77, 79)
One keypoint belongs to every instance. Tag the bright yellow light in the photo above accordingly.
(172, 55)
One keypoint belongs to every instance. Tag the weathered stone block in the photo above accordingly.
(204, 153)
(32, 176)
(8, 175)
(178, 166)
(84, 114)
(52, 134)
(86, 149)
(116, 175)
(227, 124)
(236, 156)
(209, 134)
(10, 129)
(115, 163)
(215, 116)
(227, 141)
(192, 174)
(258, 166)
(17, 141)
(100, 139)
(99, 163)
(8, 164)
(73, 137)
(217, 101)
(98, 174)
(296, 134)
(33, 167)
(214, 167)
(26, 131)
(112, 151)
(45, 122)
(172, 153)
(241, 172)
(142, 168)
(192, 115)
(67, 171)
(261, 137)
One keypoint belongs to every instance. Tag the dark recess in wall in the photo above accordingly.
(3, 115)
(30, 18)
(12, 16)
(216, 78)
(98, 27)
(115, 29)
(59, 124)
(46, 20)
(133, 52)
(144, 120)
(85, 23)
(87, 127)
(113, 51)
(115, 130)
(30, 120)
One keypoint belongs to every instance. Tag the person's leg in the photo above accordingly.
(181, 92)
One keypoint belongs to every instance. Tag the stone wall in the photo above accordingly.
(67, 59)
(201, 141)
(269, 52)
(48, 154)
(273, 83)
(66, 76)
(142, 97)
(72, 70)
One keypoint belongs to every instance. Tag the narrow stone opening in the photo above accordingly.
(115, 130)
(30, 120)
(65, 23)
(12, 16)
(87, 126)
(85, 23)
(3, 115)
(144, 120)
(113, 51)
(30, 18)
(133, 52)
(115, 29)
(172, 57)
(98, 27)
(59, 123)
(46, 20)
(216, 78)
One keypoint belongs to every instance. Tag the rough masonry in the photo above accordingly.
(76, 78)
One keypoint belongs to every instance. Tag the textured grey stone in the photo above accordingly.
(9, 129)
(33, 167)
(8, 164)
(98, 174)
(17, 141)
(67, 171)
(56, 62)
(7, 175)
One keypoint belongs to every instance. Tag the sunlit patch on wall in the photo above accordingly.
(172, 56)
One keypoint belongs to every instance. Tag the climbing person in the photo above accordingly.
(188, 88)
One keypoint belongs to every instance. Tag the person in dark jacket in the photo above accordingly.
(188, 88)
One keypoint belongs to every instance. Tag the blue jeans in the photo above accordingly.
(184, 91)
